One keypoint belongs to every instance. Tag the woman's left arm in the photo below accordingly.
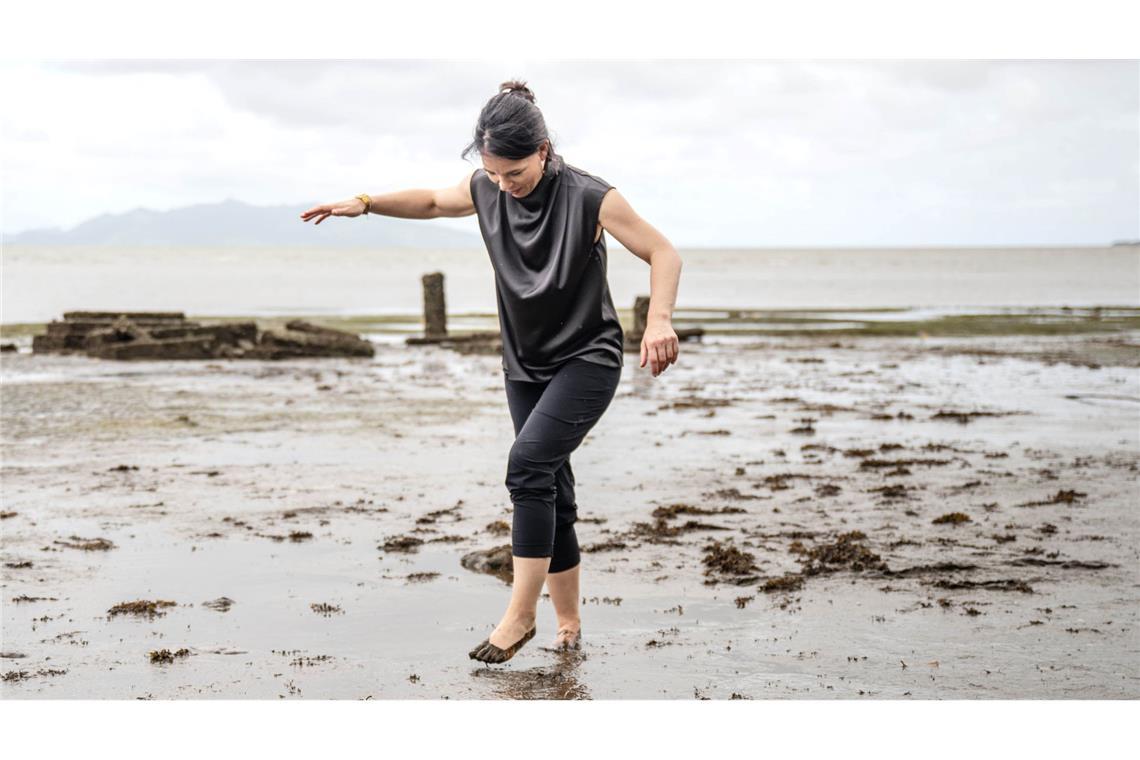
(659, 345)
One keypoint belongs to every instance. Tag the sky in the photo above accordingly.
(712, 153)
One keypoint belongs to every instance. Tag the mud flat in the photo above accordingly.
(777, 516)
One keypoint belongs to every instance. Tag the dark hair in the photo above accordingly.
(511, 126)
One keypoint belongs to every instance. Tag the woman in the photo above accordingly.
(543, 222)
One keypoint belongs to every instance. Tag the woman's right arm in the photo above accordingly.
(405, 204)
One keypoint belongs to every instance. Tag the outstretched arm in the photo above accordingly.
(405, 204)
(659, 345)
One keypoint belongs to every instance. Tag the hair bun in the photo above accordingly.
(512, 86)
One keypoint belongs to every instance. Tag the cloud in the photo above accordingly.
(711, 152)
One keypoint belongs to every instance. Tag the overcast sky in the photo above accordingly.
(724, 153)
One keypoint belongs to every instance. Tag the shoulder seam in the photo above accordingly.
(593, 178)
(474, 176)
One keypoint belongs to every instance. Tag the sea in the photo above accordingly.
(40, 283)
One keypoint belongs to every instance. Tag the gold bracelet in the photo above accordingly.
(367, 201)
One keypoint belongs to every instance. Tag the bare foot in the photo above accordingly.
(568, 637)
(507, 638)
(510, 630)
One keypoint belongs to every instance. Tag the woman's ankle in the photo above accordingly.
(524, 618)
(570, 623)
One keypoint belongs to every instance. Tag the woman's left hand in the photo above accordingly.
(659, 345)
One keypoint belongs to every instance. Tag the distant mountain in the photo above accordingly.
(234, 223)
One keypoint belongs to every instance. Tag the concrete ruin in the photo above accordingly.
(164, 335)
(435, 325)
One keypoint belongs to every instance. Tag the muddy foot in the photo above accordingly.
(567, 639)
(485, 651)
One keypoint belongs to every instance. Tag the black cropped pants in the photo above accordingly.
(550, 420)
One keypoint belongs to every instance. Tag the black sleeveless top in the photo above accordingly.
(550, 275)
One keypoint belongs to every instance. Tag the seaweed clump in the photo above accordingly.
(165, 655)
(402, 544)
(724, 561)
(786, 582)
(140, 607)
(846, 552)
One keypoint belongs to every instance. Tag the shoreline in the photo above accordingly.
(806, 322)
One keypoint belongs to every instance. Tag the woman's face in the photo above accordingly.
(516, 176)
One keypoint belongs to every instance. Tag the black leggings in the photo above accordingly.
(551, 419)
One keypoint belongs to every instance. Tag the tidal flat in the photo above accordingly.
(784, 513)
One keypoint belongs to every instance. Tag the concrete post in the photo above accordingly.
(435, 307)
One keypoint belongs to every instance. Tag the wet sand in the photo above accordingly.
(773, 517)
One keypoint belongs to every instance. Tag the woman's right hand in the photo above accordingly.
(351, 207)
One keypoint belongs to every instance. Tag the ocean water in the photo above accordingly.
(40, 283)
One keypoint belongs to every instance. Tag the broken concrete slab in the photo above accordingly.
(130, 336)
(300, 338)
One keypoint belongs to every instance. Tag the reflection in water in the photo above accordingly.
(558, 681)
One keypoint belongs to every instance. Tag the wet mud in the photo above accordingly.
(799, 517)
